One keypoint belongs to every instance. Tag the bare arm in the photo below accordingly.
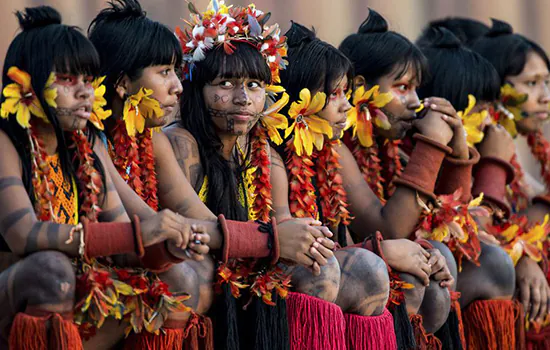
(396, 219)
(177, 160)
(279, 183)
(20, 227)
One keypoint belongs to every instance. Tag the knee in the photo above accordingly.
(45, 278)
(499, 270)
(449, 257)
(325, 286)
(182, 278)
(365, 284)
(415, 295)
(435, 307)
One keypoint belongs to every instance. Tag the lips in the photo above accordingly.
(541, 115)
(83, 112)
(241, 116)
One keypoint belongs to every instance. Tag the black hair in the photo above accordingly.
(376, 51)
(45, 44)
(245, 61)
(456, 71)
(313, 63)
(506, 50)
(467, 30)
(128, 42)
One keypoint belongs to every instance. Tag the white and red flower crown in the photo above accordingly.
(221, 24)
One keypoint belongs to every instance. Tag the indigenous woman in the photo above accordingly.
(230, 56)
(143, 89)
(387, 59)
(318, 80)
(523, 70)
(59, 203)
(471, 84)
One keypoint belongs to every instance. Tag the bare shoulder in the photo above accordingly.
(10, 157)
(177, 133)
(186, 151)
(275, 158)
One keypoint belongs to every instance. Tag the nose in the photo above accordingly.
(545, 95)
(240, 96)
(346, 106)
(413, 101)
(176, 88)
(84, 91)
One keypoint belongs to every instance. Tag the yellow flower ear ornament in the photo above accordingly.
(308, 128)
(473, 122)
(22, 101)
(366, 111)
(98, 113)
(139, 107)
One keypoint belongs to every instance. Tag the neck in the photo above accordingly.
(46, 134)
(228, 142)
(110, 123)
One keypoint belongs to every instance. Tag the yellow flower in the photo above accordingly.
(50, 94)
(360, 116)
(98, 113)
(308, 128)
(139, 107)
(509, 106)
(473, 122)
(273, 120)
(20, 98)
(274, 89)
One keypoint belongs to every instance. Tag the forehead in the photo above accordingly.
(341, 82)
(402, 74)
(534, 66)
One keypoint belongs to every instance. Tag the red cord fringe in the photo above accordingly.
(538, 340)
(30, 332)
(199, 333)
(195, 334)
(314, 323)
(492, 325)
(455, 306)
(424, 341)
(370, 332)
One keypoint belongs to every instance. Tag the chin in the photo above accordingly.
(155, 123)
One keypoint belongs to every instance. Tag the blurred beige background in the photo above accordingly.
(333, 19)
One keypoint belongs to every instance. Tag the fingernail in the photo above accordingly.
(433, 106)
(320, 240)
(316, 245)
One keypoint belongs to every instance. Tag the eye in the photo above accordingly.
(226, 84)
(401, 87)
(531, 83)
(166, 71)
(88, 80)
(254, 85)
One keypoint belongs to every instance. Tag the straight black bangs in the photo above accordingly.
(75, 54)
(129, 45)
(245, 62)
(377, 54)
(317, 66)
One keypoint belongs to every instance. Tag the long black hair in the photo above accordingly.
(42, 45)
(375, 51)
(456, 71)
(245, 62)
(506, 50)
(128, 42)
